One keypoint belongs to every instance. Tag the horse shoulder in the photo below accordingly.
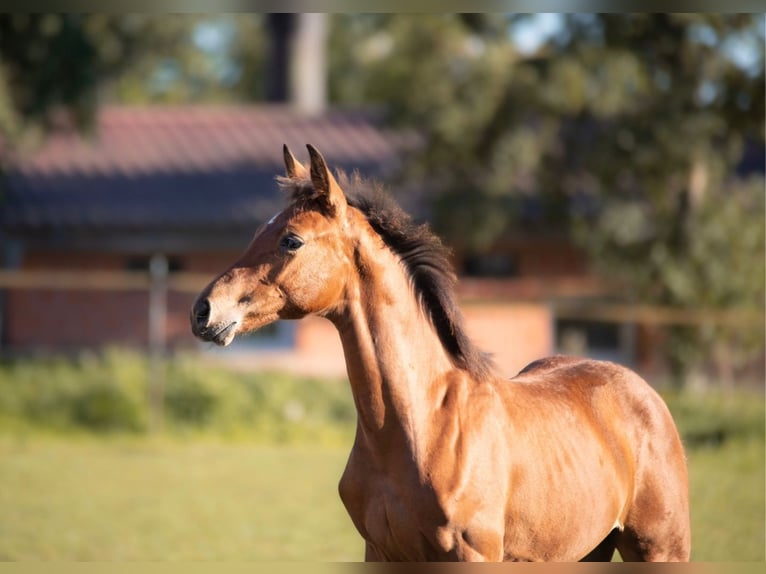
(468, 458)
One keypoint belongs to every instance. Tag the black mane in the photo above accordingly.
(425, 258)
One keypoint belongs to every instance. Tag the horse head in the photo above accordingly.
(293, 266)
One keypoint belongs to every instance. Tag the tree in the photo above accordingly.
(51, 63)
(54, 63)
(677, 225)
(627, 130)
(446, 76)
(213, 58)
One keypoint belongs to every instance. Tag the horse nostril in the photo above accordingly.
(202, 312)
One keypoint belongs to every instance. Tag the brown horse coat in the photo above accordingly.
(569, 460)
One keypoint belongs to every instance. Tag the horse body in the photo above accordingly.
(569, 460)
(557, 445)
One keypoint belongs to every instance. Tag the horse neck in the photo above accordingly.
(395, 361)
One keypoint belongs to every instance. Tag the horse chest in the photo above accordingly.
(404, 520)
(387, 515)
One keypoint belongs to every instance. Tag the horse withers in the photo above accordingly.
(569, 460)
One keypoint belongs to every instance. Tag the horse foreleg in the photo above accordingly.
(371, 554)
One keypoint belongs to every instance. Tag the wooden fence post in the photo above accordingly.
(10, 254)
(158, 311)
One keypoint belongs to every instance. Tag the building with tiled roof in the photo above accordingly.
(187, 186)
(190, 183)
(181, 177)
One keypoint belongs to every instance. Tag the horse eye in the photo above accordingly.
(291, 242)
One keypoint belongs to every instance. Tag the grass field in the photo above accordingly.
(727, 503)
(247, 466)
(116, 501)
(144, 500)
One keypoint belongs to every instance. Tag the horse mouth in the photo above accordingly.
(222, 335)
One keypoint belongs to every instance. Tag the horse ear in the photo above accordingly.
(293, 167)
(324, 183)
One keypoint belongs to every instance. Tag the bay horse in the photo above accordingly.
(569, 460)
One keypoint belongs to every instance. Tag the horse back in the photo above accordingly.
(622, 408)
(609, 388)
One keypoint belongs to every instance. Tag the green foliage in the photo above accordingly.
(626, 129)
(104, 408)
(611, 98)
(709, 420)
(212, 58)
(107, 393)
(440, 75)
(51, 63)
(101, 393)
(190, 402)
(712, 259)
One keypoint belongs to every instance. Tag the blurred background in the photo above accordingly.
(599, 178)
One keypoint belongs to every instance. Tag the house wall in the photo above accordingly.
(514, 333)
(66, 319)
(539, 257)
(550, 257)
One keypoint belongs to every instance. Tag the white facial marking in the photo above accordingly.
(273, 218)
(263, 227)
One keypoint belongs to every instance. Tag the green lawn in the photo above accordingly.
(727, 487)
(141, 500)
(83, 478)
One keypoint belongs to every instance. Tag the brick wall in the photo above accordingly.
(68, 319)
(548, 258)
(515, 334)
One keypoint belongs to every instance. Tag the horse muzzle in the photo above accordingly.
(218, 330)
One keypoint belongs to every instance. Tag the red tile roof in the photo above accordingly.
(135, 140)
(182, 166)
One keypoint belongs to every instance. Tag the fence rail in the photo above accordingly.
(658, 315)
(192, 283)
(182, 282)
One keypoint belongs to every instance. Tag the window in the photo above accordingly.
(490, 265)
(141, 263)
(596, 339)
